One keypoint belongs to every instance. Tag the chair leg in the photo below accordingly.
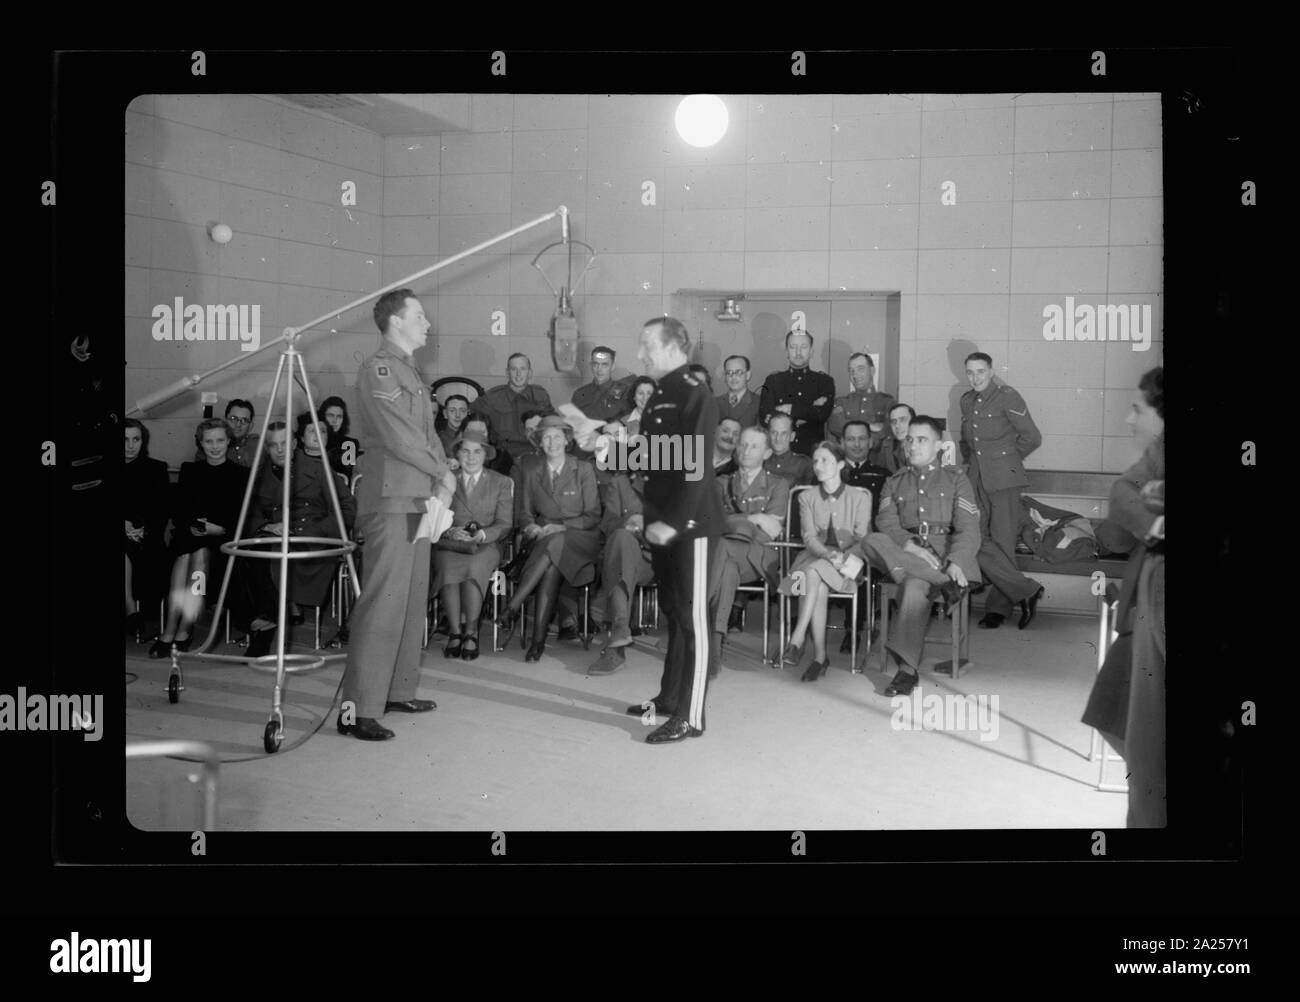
(317, 636)
(766, 617)
(585, 632)
(884, 628)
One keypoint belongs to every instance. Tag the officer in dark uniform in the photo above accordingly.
(403, 466)
(683, 524)
(863, 402)
(997, 434)
(807, 396)
(926, 539)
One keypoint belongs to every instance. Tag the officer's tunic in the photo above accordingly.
(402, 466)
(997, 434)
(625, 561)
(746, 557)
(799, 388)
(682, 406)
(935, 503)
(744, 410)
(607, 402)
(794, 466)
(506, 409)
(871, 406)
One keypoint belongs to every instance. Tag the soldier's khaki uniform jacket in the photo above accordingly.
(871, 406)
(937, 503)
(404, 457)
(997, 434)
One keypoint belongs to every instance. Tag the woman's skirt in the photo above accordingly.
(450, 567)
(811, 564)
(574, 551)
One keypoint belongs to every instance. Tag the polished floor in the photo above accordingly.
(537, 747)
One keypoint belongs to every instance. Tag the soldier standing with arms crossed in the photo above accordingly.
(403, 465)
(683, 524)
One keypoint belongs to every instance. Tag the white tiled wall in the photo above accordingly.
(1056, 195)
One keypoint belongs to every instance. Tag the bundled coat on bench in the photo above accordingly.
(1056, 535)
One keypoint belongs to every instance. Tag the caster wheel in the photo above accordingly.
(270, 738)
(173, 690)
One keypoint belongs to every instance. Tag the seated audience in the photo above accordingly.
(724, 446)
(834, 518)
(205, 509)
(145, 490)
(480, 425)
(927, 539)
(450, 419)
(890, 453)
(243, 442)
(560, 523)
(467, 554)
(341, 448)
(739, 402)
(755, 502)
(625, 564)
(794, 466)
(642, 390)
(858, 468)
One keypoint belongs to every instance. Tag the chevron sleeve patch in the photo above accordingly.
(968, 506)
(390, 396)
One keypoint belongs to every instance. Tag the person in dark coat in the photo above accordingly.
(469, 552)
(451, 419)
(560, 520)
(205, 509)
(807, 396)
(145, 489)
(1127, 698)
(341, 448)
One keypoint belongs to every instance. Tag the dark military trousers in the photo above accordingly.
(914, 577)
(682, 570)
(387, 623)
(999, 526)
(733, 570)
(623, 567)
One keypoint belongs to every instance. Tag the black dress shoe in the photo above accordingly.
(409, 706)
(991, 620)
(160, 648)
(259, 642)
(183, 643)
(469, 649)
(902, 683)
(535, 650)
(367, 729)
(735, 622)
(675, 729)
(1029, 608)
(815, 671)
(638, 709)
(567, 633)
(454, 646)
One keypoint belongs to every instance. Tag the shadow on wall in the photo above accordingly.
(957, 352)
(769, 330)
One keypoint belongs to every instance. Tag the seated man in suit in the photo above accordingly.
(739, 402)
(625, 564)
(755, 503)
(927, 535)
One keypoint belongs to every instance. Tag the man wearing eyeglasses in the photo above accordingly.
(243, 441)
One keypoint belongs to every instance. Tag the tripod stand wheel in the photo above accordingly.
(173, 690)
(271, 737)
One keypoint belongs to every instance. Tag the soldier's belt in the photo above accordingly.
(929, 529)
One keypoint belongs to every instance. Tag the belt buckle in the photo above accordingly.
(923, 529)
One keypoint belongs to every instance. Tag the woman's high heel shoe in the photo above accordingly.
(183, 643)
(160, 648)
(815, 671)
(469, 649)
(793, 653)
(454, 645)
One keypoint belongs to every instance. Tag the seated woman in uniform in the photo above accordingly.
(560, 519)
(145, 490)
(450, 419)
(341, 449)
(467, 554)
(834, 519)
(481, 425)
(206, 508)
(642, 390)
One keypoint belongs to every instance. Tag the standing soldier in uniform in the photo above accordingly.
(807, 396)
(997, 434)
(506, 405)
(403, 465)
(863, 402)
(683, 524)
(926, 539)
(605, 398)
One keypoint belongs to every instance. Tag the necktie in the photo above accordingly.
(735, 399)
(470, 481)
(555, 476)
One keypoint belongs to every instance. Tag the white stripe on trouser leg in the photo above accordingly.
(700, 623)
